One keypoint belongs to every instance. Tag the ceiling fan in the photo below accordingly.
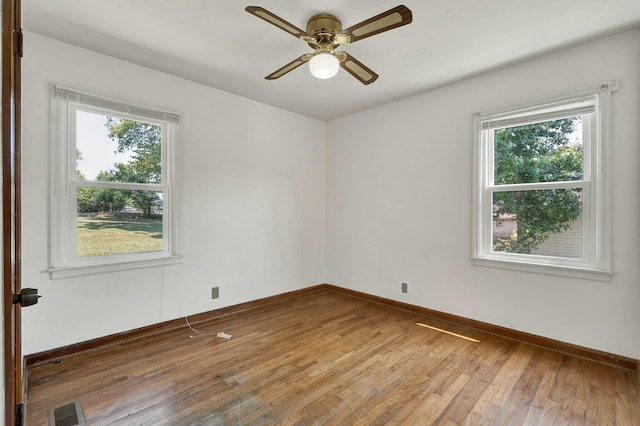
(324, 34)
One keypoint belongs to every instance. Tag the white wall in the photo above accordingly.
(397, 176)
(252, 201)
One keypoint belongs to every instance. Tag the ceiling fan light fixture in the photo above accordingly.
(325, 33)
(324, 65)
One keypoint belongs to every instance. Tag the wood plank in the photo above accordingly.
(520, 336)
(329, 358)
(178, 323)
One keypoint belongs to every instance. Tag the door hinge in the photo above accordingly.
(19, 414)
(19, 42)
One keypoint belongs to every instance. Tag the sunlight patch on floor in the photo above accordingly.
(447, 332)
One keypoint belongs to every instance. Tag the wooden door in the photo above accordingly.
(11, 53)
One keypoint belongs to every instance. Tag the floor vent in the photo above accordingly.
(67, 415)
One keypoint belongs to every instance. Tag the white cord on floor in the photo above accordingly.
(202, 333)
(198, 332)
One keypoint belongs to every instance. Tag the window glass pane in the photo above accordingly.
(541, 222)
(549, 151)
(117, 150)
(116, 221)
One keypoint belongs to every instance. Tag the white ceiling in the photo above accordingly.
(217, 43)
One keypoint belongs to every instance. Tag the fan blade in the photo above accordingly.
(394, 18)
(358, 69)
(289, 67)
(276, 20)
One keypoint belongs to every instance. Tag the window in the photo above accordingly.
(541, 189)
(113, 189)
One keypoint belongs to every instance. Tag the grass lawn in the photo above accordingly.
(104, 235)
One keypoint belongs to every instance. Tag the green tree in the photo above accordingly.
(98, 199)
(105, 200)
(145, 141)
(144, 200)
(87, 200)
(533, 153)
(79, 175)
(86, 196)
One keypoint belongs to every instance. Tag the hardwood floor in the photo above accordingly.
(326, 358)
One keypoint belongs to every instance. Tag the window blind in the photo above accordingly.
(540, 114)
(99, 102)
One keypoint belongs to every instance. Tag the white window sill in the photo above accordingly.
(101, 268)
(538, 268)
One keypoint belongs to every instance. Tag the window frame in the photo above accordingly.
(595, 261)
(64, 261)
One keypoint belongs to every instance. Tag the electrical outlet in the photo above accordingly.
(215, 292)
(405, 288)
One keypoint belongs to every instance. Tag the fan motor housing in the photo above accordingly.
(323, 28)
(324, 24)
